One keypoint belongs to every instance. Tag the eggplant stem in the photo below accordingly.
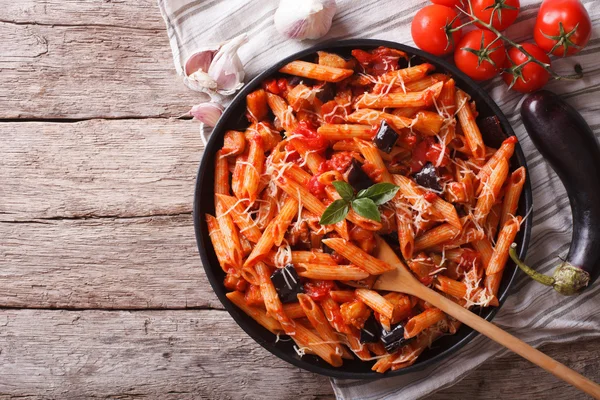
(541, 278)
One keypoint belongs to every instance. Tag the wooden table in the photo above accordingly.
(102, 293)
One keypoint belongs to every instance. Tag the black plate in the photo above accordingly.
(234, 118)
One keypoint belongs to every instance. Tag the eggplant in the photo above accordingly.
(394, 339)
(386, 138)
(357, 178)
(427, 177)
(566, 141)
(371, 331)
(287, 283)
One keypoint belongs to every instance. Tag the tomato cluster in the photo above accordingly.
(562, 28)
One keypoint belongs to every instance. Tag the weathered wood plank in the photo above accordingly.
(125, 355)
(203, 354)
(118, 168)
(124, 263)
(139, 14)
(81, 72)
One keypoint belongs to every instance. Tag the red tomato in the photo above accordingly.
(318, 290)
(427, 150)
(486, 62)
(562, 27)
(449, 3)
(430, 28)
(339, 161)
(271, 86)
(311, 137)
(316, 187)
(532, 76)
(505, 12)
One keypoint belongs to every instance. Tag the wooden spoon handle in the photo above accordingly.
(509, 341)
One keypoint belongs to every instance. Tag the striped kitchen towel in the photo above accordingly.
(533, 312)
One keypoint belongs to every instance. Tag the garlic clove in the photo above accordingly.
(199, 61)
(227, 68)
(208, 113)
(307, 19)
(201, 82)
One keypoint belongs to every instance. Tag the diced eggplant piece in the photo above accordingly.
(370, 331)
(357, 178)
(327, 249)
(428, 178)
(287, 283)
(326, 93)
(386, 138)
(394, 339)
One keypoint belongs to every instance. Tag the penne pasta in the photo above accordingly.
(424, 98)
(376, 301)
(358, 257)
(469, 126)
(420, 322)
(331, 272)
(257, 314)
(316, 71)
(512, 194)
(346, 131)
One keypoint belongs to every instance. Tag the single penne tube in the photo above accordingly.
(342, 296)
(400, 77)
(357, 256)
(314, 205)
(274, 232)
(448, 212)
(332, 312)
(436, 236)
(514, 187)
(492, 284)
(384, 364)
(505, 152)
(240, 217)
(237, 178)
(415, 195)
(230, 235)
(221, 174)
(372, 118)
(271, 299)
(490, 192)
(447, 100)
(408, 112)
(468, 234)
(376, 301)
(485, 249)
(298, 174)
(492, 221)
(317, 319)
(218, 242)
(505, 238)
(254, 168)
(312, 158)
(257, 314)
(294, 310)
(316, 71)
(346, 145)
(425, 82)
(428, 123)
(312, 257)
(406, 232)
(424, 98)
(420, 322)
(451, 287)
(469, 126)
(331, 272)
(282, 111)
(306, 338)
(331, 60)
(346, 131)
(253, 296)
(371, 154)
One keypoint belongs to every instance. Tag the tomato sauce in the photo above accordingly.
(318, 290)
(310, 136)
(425, 151)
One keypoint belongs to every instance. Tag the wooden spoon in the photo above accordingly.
(402, 280)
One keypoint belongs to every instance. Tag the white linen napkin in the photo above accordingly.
(533, 312)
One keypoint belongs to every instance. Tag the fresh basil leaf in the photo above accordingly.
(336, 212)
(380, 193)
(366, 208)
(344, 189)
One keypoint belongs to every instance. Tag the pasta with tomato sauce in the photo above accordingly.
(338, 153)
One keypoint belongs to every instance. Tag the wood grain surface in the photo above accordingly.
(102, 293)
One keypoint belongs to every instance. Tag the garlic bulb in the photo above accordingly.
(304, 19)
(216, 71)
(208, 113)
